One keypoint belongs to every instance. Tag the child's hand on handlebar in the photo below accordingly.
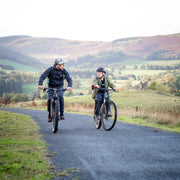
(96, 86)
(116, 89)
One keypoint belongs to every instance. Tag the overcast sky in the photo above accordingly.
(92, 20)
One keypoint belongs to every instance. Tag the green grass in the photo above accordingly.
(22, 151)
(142, 122)
(145, 101)
(19, 67)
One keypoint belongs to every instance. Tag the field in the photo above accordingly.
(162, 62)
(19, 67)
(148, 106)
(143, 101)
(141, 72)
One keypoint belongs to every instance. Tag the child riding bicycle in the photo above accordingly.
(56, 75)
(101, 81)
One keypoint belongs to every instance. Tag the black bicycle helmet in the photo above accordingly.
(101, 69)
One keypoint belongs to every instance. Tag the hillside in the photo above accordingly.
(15, 57)
(46, 49)
(143, 46)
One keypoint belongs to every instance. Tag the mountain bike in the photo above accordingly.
(108, 112)
(54, 108)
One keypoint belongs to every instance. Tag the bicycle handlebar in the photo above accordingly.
(104, 89)
(54, 89)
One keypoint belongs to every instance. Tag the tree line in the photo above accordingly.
(162, 54)
(158, 67)
(102, 58)
(12, 82)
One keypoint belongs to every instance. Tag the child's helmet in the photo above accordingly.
(101, 69)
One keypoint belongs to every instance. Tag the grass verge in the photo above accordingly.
(144, 122)
(22, 151)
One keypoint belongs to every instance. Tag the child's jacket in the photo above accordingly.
(97, 81)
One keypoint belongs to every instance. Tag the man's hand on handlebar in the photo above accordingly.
(41, 87)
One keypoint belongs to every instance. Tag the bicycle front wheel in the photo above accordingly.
(108, 115)
(97, 121)
(56, 117)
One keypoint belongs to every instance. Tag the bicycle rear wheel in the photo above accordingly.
(56, 117)
(108, 115)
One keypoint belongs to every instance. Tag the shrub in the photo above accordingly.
(152, 86)
(160, 87)
(20, 98)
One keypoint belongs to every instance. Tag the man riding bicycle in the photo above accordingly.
(56, 75)
(101, 81)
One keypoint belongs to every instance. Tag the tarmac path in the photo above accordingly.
(126, 152)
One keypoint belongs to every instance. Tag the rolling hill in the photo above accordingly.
(16, 57)
(34, 50)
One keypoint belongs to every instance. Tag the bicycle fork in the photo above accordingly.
(52, 107)
(107, 109)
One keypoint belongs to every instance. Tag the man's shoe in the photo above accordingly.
(62, 118)
(49, 119)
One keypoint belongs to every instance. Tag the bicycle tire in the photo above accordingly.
(56, 117)
(97, 122)
(109, 120)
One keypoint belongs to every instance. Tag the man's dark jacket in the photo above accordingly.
(56, 77)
